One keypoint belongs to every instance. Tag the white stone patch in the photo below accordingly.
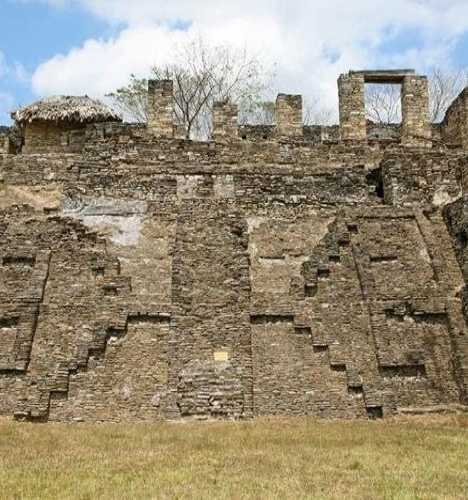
(254, 223)
(424, 254)
(123, 231)
(223, 186)
(187, 185)
(126, 391)
(121, 221)
(442, 197)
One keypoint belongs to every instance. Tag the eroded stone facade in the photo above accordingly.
(271, 271)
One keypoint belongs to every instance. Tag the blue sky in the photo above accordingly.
(91, 46)
(31, 33)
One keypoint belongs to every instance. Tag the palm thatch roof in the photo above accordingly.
(74, 109)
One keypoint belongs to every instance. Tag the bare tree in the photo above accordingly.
(383, 102)
(258, 113)
(263, 113)
(444, 87)
(202, 74)
(131, 100)
(316, 113)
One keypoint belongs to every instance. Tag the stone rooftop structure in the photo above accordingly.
(274, 270)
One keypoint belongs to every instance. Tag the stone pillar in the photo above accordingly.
(161, 108)
(415, 127)
(4, 144)
(352, 107)
(225, 126)
(289, 115)
(180, 131)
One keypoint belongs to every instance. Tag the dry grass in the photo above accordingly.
(303, 458)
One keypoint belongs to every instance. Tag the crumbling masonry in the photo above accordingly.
(282, 270)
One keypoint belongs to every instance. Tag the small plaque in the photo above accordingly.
(221, 356)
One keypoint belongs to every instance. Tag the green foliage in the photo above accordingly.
(202, 74)
(131, 99)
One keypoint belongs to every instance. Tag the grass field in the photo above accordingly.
(279, 458)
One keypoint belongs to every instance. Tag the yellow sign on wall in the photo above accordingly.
(221, 356)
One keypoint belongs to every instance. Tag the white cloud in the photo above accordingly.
(101, 65)
(352, 16)
(310, 41)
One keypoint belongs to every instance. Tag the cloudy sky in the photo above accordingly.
(91, 46)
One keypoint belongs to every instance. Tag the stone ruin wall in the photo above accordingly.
(455, 124)
(150, 277)
(415, 127)
(43, 137)
(4, 140)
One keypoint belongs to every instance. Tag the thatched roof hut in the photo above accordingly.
(71, 109)
(58, 123)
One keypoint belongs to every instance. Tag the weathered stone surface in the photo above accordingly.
(289, 115)
(225, 126)
(416, 129)
(455, 124)
(267, 272)
(352, 107)
(161, 108)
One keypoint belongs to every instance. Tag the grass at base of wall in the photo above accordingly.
(412, 458)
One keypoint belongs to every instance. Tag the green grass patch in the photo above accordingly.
(419, 458)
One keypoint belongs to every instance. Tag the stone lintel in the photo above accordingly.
(384, 76)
